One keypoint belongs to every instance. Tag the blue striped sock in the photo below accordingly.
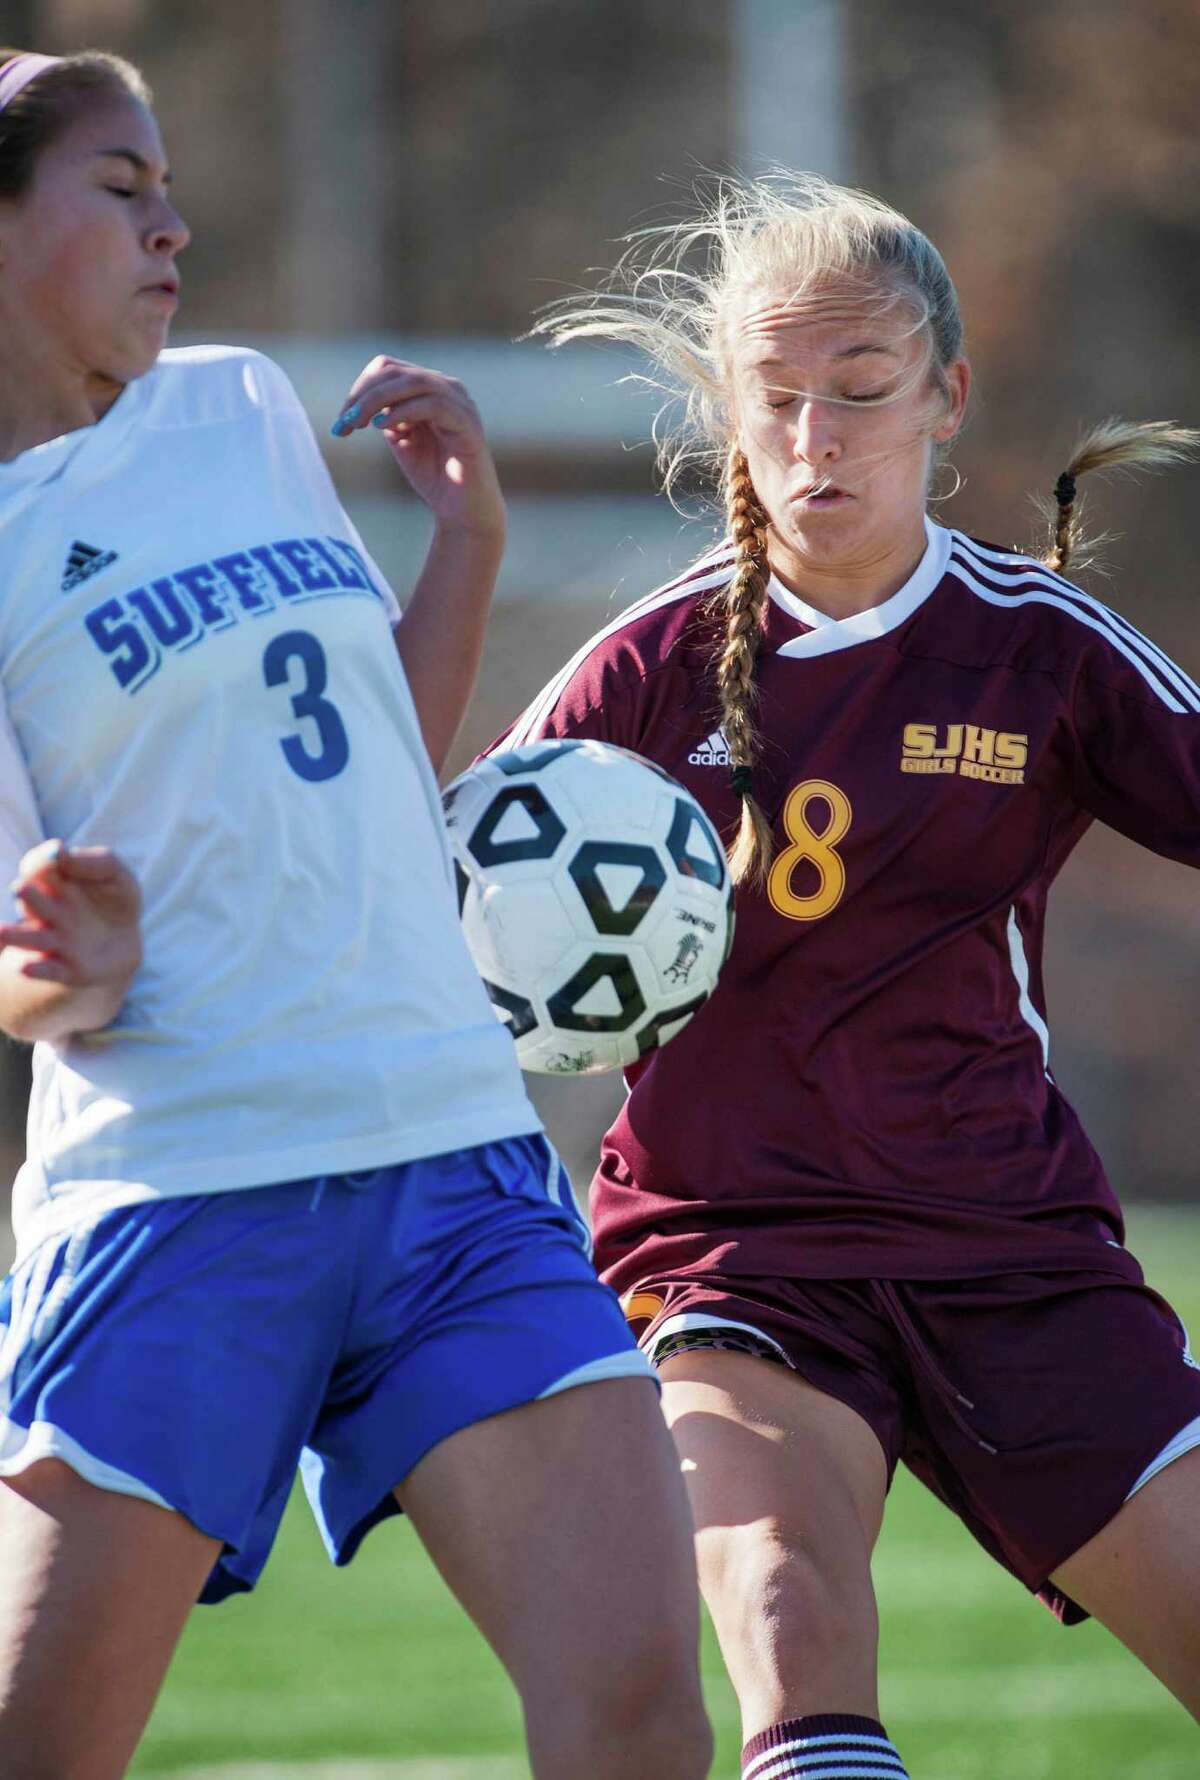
(833, 1746)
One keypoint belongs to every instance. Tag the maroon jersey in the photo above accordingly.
(868, 1093)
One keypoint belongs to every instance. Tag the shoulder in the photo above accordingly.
(656, 633)
(1025, 615)
(194, 384)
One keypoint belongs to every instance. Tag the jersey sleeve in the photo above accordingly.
(1136, 721)
(279, 393)
(590, 699)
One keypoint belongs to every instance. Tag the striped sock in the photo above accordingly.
(833, 1746)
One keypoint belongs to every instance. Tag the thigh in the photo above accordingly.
(475, 1296)
(97, 1587)
(1140, 1576)
(562, 1527)
(177, 1350)
(787, 1487)
(1044, 1398)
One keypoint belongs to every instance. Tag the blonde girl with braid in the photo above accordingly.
(880, 1234)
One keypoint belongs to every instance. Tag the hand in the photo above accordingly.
(81, 921)
(436, 436)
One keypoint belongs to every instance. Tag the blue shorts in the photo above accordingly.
(191, 1351)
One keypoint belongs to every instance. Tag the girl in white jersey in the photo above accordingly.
(285, 1197)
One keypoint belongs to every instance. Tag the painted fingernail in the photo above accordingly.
(383, 418)
(346, 420)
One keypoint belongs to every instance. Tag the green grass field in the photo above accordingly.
(374, 1674)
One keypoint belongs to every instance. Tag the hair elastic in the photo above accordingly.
(742, 780)
(1064, 490)
(19, 71)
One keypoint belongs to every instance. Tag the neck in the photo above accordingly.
(842, 587)
(42, 397)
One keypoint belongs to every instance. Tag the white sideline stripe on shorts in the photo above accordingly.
(629, 1363)
(685, 1321)
(560, 1189)
(680, 588)
(1016, 564)
(1047, 595)
(21, 1447)
(1186, 1439)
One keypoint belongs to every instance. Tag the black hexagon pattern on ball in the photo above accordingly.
(605, 918)
(522, 1018)
(541, 845)
(512, 762)
(650, 1035)
(709, 871)
(562, 1005)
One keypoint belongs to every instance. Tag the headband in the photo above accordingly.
(19, 71)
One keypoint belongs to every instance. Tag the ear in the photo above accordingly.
(958, 383)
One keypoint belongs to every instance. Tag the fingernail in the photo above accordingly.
(383, 418)
(346, 420)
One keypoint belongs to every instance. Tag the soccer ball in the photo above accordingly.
(595, 898)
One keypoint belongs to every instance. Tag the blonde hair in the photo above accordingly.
(1111, 444)
(675, 294)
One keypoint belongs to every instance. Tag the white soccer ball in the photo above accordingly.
(595, 898)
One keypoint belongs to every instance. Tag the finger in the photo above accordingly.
(35, 901)
(397, 384)
(447, 418)
(42, 858)
(90, 865)
(24, 937)
(47, 969)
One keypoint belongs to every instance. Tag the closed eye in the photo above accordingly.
(121, 191)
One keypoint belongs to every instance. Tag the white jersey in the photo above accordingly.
(198, 670)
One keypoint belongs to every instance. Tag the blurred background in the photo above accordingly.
(366, 175)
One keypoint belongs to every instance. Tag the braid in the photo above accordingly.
(745, 604)
(1146, 444)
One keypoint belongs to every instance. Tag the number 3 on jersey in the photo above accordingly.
(818, 847)
(302, 646)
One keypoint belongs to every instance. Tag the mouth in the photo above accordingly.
(167, 288)
(820, 497)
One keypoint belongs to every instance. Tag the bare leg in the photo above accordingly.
(562, 1528)
(1140, 1577)
(787, 1488)
(97, 1588)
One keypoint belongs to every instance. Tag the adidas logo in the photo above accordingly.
(713, 751)
(84, 561)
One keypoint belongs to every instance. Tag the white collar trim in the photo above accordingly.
(829, 634)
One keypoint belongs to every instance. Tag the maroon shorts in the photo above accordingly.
(1031, 1404)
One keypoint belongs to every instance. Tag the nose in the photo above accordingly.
(817, 438)
(168, 233)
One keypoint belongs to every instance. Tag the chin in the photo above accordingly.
(136, 359)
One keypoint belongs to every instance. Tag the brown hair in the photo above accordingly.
(42, 110)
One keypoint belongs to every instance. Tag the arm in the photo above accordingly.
(1136, 723)
(68, 961)
(436, 437)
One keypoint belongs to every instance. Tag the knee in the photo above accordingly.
(647, 1719)
(789, 1598)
